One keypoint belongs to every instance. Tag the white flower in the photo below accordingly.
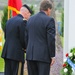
(72, 69)
(65, 70)
(70, 54)
(74, 59)
(65, 60)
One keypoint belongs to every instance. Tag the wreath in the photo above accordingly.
(69, 63)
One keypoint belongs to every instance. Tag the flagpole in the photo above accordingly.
(8, 13)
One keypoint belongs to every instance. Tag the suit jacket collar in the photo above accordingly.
(42, 12)
(20, 15)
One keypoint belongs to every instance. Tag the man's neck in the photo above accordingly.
(46, 12)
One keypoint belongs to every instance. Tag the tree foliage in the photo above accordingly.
(32, 8)
(4, 17)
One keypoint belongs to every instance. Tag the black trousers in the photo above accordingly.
(38, 68)
(13, 67)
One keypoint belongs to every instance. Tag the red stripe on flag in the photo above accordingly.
(15, 4)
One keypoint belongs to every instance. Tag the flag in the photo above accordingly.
(15, 6)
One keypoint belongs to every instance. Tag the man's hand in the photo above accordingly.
(52, 62)
(25, 50)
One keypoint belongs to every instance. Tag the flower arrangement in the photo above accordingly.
(67, 69)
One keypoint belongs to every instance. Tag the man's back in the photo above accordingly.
(37, 48)
(14, 39)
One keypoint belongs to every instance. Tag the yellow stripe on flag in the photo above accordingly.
(14, 9)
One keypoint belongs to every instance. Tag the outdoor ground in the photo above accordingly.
(1, 63)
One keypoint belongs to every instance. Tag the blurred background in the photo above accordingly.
(58, 14)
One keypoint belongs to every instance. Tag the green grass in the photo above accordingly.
(1, 63)
(1, 60)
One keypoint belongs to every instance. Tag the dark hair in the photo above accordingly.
(45, 4)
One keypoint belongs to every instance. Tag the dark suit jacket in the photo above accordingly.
(40, 36)
(14, 39)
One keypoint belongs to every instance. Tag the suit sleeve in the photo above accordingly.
(26, 36)
(5, 32)
(51, 37)
(22, 33)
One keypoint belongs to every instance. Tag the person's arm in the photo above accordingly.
(26, 36)
(5, 33)
(22, 34)
(51, 37)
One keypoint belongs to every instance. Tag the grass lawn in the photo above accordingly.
(1, 60)
(1, 64)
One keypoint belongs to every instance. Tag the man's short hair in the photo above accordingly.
(26, 6)
(45, 4)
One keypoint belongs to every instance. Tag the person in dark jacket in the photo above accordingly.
(40, 41)
(13, 50)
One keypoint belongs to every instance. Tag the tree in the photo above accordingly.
(32, 9)
(4, 18)
(59, 6)
(55, 70)
(58, 40)
(62, 19)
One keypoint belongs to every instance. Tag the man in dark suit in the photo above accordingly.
(40, 35)
(13, 51)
